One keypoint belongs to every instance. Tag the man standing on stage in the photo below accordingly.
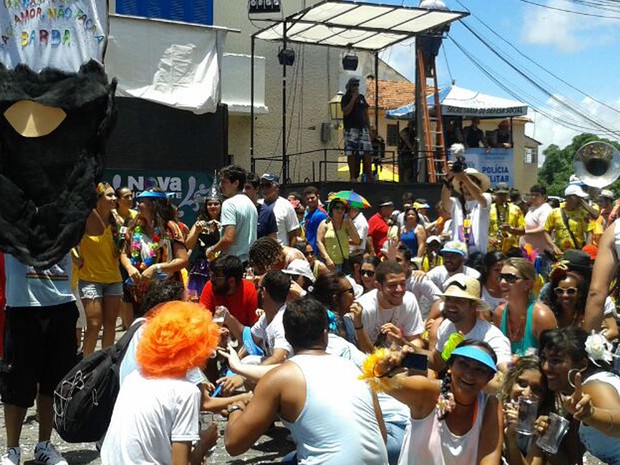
(356, 124)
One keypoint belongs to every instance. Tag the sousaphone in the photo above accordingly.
(597, 164)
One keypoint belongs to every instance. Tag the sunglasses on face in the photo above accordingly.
(509, 277)
(348, 290)
(568, 291)
(368, 273)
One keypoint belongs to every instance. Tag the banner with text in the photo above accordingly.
(186, 188)
(52, 33)
(497, 164)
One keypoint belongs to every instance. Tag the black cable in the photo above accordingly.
(577, 112)
(570, 11)
(537, 64)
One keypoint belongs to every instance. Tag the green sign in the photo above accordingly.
(186, 188)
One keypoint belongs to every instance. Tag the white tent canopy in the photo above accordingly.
(458, 101)
(356, 25)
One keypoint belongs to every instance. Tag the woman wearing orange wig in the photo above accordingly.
(155, 418)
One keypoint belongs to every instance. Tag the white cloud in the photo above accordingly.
(568, 32)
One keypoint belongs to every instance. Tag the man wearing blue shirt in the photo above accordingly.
(314, 215)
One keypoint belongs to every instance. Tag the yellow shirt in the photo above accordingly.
(101, 262)
(336, 246)
(514, 218)
(579, 223)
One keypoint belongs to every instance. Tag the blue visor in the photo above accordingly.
(151, 195)
(476, 353)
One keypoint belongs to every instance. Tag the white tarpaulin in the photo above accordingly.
(458, 101)
(175, 64)
(50, 33)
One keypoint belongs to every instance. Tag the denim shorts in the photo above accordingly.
(90, 290)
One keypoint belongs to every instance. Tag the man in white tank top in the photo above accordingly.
(332, 415)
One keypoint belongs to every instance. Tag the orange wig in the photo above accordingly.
(177, 337)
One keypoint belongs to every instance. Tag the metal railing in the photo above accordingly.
(322, 159)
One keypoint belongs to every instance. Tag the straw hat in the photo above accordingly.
(485, 182)
(465, 287)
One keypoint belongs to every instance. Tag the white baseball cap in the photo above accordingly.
(300, 267)
(574, 189)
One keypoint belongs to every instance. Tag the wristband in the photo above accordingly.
(234, 408)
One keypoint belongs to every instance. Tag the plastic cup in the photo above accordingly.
(218, 315)
(550, 441)
(528, 412)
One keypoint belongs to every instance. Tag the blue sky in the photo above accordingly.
(582, 50)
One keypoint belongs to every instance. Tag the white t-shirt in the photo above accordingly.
(240, 212)
(482, 331)
(480, 220)
(361, 226)
(149, 415)
(439, 275)
(59, 34)
(536, 218)
(286, 219)
(272, 334)
(425, 291)
(406, 316)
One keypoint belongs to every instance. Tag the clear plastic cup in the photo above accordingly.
(528, 412)
(219, 314)
(550, 441)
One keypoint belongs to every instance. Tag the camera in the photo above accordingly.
(458, 151)
(459, 165)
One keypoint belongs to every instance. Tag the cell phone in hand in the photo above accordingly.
(417, 362)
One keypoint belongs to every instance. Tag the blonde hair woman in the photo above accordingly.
(522, 319)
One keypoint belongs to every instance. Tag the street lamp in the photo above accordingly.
(335, 110)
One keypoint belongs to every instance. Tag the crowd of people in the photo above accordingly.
(400, 338)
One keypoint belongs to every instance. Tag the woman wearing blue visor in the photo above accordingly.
(452, 420)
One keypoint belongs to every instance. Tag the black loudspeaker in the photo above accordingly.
(286, 57)
(350, 62)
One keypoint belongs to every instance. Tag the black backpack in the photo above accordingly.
(84, 398)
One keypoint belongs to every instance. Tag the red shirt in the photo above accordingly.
(378, 230)
(242, 304)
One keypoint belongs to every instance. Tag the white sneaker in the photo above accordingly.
(12, 456)
(46, 454)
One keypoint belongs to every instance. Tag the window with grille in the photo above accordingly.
(189, 11)
(531, 155)
(392, 136)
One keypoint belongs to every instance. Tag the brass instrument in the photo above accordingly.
(501, 219)
(597, 164)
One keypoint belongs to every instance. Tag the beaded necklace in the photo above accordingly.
(139, 258)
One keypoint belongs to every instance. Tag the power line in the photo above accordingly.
(570, 11)
(561, 102)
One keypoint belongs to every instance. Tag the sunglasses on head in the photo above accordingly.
(509, 277)
(568, 291)
(368, 273)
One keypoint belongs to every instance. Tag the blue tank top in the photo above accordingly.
(410, 240)
(528, 341)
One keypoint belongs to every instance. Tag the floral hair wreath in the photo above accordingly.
(102, 187)
(559, 270)
(599, 348)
